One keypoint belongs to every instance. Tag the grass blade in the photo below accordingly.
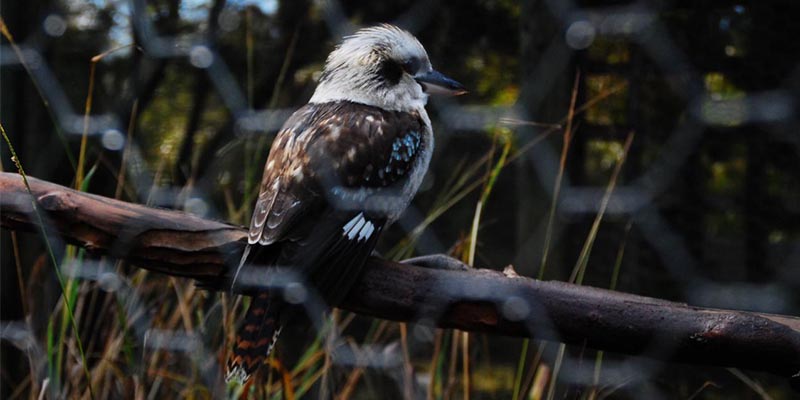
(60, 278)
(580, 266)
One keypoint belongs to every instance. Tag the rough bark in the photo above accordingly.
(179, 244)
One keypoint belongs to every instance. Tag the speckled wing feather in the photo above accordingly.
(323, 147)
(367, 146)
(277, 198)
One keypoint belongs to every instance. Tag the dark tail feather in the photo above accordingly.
(255, 338)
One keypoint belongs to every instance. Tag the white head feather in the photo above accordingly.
(357, 70)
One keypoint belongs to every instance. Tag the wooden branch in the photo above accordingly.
(179, 244)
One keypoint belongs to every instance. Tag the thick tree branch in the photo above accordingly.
(179, 244)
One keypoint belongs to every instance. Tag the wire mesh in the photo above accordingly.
(185, 110)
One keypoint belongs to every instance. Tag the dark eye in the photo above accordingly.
(391, 71)
(412, 65)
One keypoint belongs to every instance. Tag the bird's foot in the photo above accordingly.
(438, 261)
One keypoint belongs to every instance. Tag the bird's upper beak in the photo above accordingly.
(434, 82)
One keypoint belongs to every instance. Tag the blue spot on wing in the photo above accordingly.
(397, 164)
(404, 149)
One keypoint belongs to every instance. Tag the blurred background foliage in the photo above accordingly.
(707, 207)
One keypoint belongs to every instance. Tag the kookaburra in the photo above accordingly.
(342, 167)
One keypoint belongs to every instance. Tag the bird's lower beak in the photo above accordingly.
(433, 82)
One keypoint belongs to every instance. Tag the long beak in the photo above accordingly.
(433, 82)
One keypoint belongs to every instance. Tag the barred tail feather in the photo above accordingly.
(255, 339)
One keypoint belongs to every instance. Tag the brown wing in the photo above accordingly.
(367, 147)
(331, 145)
(282, 197)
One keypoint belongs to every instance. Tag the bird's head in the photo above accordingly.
(382, 66)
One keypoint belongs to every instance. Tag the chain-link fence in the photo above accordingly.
(650, 147)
